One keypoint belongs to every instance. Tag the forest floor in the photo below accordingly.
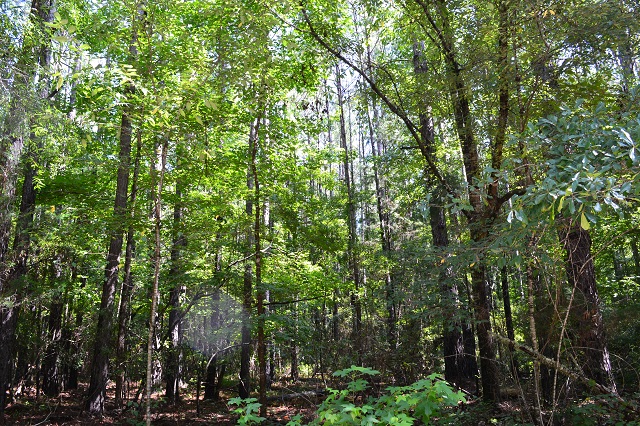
(66, 410)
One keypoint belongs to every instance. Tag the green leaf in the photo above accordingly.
(584, 223)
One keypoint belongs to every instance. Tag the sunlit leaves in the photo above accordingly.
(591, 163)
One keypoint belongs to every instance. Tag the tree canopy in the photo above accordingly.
(228, 194)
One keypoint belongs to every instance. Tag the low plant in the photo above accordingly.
(248, 409)
(399, 405)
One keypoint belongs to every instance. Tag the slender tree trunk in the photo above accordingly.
(74, 369)
(595, 361)
(636, 255)
(174, 358)
(384, 221)
(11, 146)
(244, 387)
(352, 256)
(260, 292)
(103, 338)
(157, 258)
(50, 366)
(508, 316)
(124, 310)
(293, 346)
(215, 369)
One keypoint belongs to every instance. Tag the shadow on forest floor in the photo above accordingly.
(66, 410)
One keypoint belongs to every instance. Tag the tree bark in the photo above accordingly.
(74, 369)
(174, 357)
(260, 292)
(215, 369)
(352, 256)
(636, 255)
(124, 310)
(244, 387)
(103, 342)
(586, 312)
(157, 258)
(50, 367)
(384, 223)
(478, 217)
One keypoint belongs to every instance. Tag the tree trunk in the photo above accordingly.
(103, 338)
(103, 341)
(215, 369)
(50, 365)
(508, 316)
(11, 146)
(384, 221)
(157, 258)
(478, 217)
(594, 356)
(455, 370)
(174, 357)
(636, 255)
(124, 310)
(74, 369)
(260, 292)
(244, 387)
(354, 265)
(293, 345)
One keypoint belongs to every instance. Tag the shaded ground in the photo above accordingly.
(66, 410)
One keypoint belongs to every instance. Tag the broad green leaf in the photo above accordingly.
(584, 223)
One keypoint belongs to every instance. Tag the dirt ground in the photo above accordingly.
(66, 410)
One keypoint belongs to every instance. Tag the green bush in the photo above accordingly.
(247, 410)
(399, 405)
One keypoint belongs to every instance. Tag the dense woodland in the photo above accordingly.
(207, 199)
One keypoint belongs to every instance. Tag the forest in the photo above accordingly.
(315, 212)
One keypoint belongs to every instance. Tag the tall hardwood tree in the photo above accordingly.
(103, 345)
(31, 66)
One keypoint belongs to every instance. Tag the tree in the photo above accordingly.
(102, 343)
(34, 61)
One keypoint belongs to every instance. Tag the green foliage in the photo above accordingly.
(604, 410)
(400, 405)
(592, 162)
(247, 409)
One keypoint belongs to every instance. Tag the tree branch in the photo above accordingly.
(575, 376)
(506, 197)
(413, 129)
